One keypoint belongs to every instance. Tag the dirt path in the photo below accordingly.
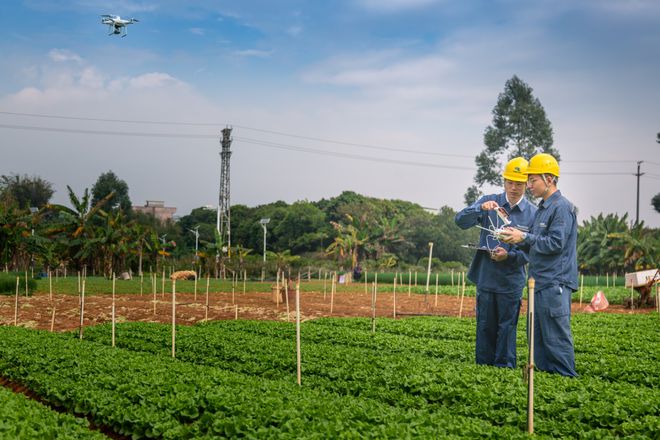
(36, 311)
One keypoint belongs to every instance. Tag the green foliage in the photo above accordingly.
(656, 202)
(23, 418)
(8, 284)
(519, 128)
(25, 191)
(108, 183)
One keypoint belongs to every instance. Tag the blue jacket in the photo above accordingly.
(552, 244)
(504, 276)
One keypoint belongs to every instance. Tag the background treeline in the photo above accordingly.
(98, 232)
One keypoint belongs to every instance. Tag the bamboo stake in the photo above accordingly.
(298, 356)
(332, 292)
(530, 362)
(173, 318)
(50, 286)
(162, 287)
(436, 289)
(236, 312)
(452, 278)
(409, 281)
(657, 297)
(206, 311)
(52, 320)
(376, 282)
(82, 310)
(243, 283)
(277, 286)
(607, 279)
(195, 289)
(415, 278)
(113, 309)
(18, 282)
(141, 284)
(286, 296)
(366, 292)
(632, 299)
(373, 309)
(153, 284)
(394, 297)
(460, 311)
(581, 288)
(325, 284)
(78, 283)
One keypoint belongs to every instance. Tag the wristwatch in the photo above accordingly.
(524, 236)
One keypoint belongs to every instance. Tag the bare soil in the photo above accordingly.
(36, 311)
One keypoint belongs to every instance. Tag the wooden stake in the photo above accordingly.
(366, 290)
(607, 279)
(325, 284)
(82, 309)
(581, 288)
(436, 289)
(141, 284)
(236, 312)
(409, 281)
(153, 278)
(394, 297)
(52, 320)
(78, 283)
(18, 282)
(632, 299)
(373, 309)
(113, 309)
(173, 318)
(277, 289)
(50, 286)
(162, 287)
(332, 291)
(415, 278)
(298, 356)
(206, 312)
(286, 296)
(452, 278)
(460, 311)
(530, 361)
(195, 289)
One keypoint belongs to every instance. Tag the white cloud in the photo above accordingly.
(256, 53)
(197, 31)
(395, 5)
(153, 80)
(64, 55)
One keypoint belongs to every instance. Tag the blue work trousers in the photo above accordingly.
(497, 320)
(553, 340)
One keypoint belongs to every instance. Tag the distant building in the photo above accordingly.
(158, 209)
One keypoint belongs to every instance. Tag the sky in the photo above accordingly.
(387, 98)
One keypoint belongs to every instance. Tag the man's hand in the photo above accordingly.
(489, 205)
(511, 235)
(499, 254)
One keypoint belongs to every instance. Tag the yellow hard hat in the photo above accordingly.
(515, 170)
(543, 163)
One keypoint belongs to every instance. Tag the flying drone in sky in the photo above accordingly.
(117, 25)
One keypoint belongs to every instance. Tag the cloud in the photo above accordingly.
(197, 31)
(256, 53)
(64, 55)
(153, 80)
(388, 6)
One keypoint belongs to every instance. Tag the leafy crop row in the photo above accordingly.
(22, 418)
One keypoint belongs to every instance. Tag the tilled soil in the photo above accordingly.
(37, 311)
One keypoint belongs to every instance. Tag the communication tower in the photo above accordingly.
(224, 218)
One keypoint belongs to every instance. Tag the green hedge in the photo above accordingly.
(8, 284)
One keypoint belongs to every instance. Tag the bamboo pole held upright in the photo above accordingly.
(394, 297)
(286, 298)
(113, 309)
(82, 309)
(530, 361)
(18, 282)
(436, 289)
(206, 310)
(173, 318)
(298, 356)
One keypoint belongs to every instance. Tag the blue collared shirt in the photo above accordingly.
(504, 276)
(552, 244)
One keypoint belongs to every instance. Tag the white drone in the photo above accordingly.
(495, 230)
(117, 25)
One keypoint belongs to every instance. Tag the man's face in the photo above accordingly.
(536, 185)
(514, 190)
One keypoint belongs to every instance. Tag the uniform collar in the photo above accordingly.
(522, 203)
(550, 200)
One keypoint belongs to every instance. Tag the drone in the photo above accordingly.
(495, 230)
(117, 25)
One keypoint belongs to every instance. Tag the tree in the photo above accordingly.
(26, 191)
(656, 202)
(108, 183)
(519, 128)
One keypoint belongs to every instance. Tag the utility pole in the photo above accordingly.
(223, 221)
(639, 163)
(264, 222)
(196, 232)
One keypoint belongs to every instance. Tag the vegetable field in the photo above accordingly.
(412, 378)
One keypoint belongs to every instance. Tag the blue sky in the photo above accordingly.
(384, 79)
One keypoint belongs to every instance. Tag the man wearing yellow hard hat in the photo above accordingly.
(552, 247)
(497, 268)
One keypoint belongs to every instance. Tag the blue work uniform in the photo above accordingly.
(499, 284)
(552, 246)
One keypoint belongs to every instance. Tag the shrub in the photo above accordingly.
(8, 284)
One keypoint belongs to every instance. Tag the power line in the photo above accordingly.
(209, 124)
